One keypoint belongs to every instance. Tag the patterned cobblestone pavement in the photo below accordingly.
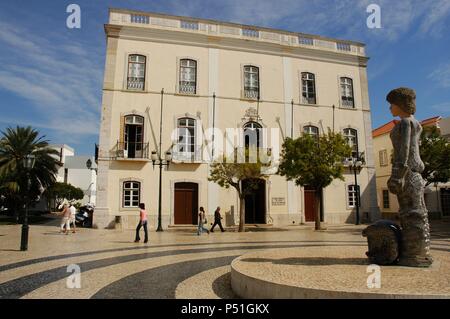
(174, 264)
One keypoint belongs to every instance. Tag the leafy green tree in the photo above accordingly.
(15, 145)
(435, 154)
(233, 172)
(59, 192)
(314, 162)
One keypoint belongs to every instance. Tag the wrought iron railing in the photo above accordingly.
(136, 83)
(187, 88)
(132, 150)
(251, 93)
(348, 102)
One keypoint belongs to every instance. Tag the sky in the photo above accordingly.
(51, 76)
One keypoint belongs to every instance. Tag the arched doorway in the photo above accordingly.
(186, 203)
(255, 201)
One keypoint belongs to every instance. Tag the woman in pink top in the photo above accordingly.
(142, 222)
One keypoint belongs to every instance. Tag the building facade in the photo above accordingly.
(194, 75)
(437, 197)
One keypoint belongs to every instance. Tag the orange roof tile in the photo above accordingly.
(386, 128)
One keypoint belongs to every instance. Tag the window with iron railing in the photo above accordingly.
(251, 82)
(308, 88)
(347, 92)
(188, 76)
(136, 72)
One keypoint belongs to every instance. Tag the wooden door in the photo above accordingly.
(186, 203)
(310, 205)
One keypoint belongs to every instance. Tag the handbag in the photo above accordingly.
(206, 221)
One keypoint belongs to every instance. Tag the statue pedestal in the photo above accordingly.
(334, 271)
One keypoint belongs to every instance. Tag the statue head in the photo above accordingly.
(404, 98)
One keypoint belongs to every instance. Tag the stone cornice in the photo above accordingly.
(185, 38)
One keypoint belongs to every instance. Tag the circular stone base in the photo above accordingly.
(334, 272)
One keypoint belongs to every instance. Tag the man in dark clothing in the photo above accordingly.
(217, 220)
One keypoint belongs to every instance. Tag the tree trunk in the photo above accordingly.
(317, 206)
(241, 214)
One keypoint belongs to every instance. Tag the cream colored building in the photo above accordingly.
(210, 74)
(437, 197)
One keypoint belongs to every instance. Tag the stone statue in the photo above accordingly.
(406, 182)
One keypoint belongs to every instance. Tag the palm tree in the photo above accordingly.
(15, 145)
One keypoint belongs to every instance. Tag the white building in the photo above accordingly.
(205, 74)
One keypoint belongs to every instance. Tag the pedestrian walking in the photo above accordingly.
(72, 219)
(65, 220)
(201, 222)
(217, 220)
(142, 223)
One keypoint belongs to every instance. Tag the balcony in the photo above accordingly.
(309, 100)
(187, 157)
(251, 93)
(132, 151)
(135, 84)
(347, 102)
(187, 89)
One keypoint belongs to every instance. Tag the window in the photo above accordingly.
(311, 130)
(383, 157)
(251, 82)
(347, 92)
(136, 72)
(351, 136)
(133, 145)
(385, 198)
(186, 136)
(131, 194)
(188, 76)
(353, 196)
(308, 88)
(252, 135)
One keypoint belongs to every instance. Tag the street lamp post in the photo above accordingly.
(89, 166)
(355, 165)
(157, 160)
(28, 164)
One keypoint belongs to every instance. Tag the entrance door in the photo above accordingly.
(310, 204)
(255, 202)
(186, 203)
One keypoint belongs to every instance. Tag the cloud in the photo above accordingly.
(441, 75)
(443, 108)
(57, 76)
